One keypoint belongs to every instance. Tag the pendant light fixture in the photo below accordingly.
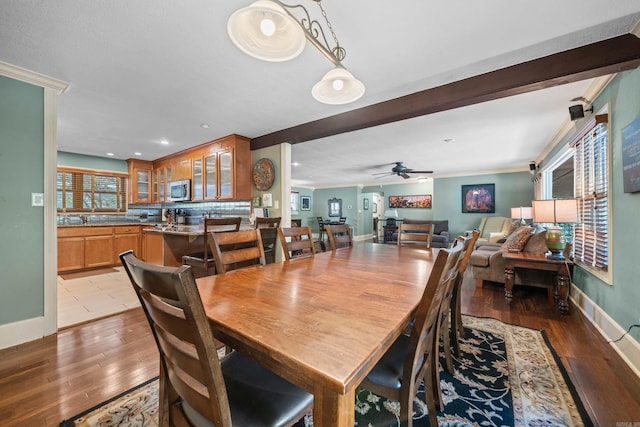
(269, 30)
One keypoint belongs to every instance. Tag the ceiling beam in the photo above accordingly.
(594, 60)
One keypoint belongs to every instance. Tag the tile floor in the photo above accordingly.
(92, 297)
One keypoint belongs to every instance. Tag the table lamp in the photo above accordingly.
(522, 213)
(555, 211)
(391, 213)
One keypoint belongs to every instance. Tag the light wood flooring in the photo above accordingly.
(48, 380)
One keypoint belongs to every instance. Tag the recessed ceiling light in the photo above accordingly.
(204, 126)
(137, 153)
(164, 142)
(295, 164)
(110, 154)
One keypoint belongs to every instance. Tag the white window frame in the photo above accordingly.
(545, 189)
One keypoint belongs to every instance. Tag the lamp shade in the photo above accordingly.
(522, 212)
(555, 211)
(391, 213)
(338, 86)
(266, 31)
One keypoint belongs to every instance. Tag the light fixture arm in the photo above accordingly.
(314, 32)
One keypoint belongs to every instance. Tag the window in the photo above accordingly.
(591, 162)
(80, 190)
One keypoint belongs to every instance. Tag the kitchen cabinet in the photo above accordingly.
(197, 180)
(70, 253)
(126, 238)
(181, 168)
(140, 181)
(88, 247)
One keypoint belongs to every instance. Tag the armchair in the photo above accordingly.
(492, 229)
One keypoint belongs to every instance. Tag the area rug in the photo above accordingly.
(507, 376)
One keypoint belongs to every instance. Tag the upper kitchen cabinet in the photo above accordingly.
(139, 180)
(221, 169)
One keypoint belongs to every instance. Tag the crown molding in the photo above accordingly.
(31, 77)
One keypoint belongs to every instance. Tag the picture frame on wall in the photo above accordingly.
(479, 198)
(294, 202)
(365, 204)
(416, 202)
(305, 203)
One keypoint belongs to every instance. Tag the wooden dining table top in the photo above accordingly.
(321, 322)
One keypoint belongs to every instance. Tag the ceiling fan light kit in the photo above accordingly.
(269, 30)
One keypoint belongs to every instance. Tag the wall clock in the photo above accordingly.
(263, 174)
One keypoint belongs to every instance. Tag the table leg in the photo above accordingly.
(508, 282)
(331, 409)
(563, 290)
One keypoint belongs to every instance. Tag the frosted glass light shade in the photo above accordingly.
(245, 28)
(338, 86)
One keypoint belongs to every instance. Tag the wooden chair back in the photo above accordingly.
(418, 350)
(321, 228)
(269, 233)
(236, 250)
(190, 367)
(300, 243)
(415, 234)
(339, 236)
(202, 261)
(342, 220)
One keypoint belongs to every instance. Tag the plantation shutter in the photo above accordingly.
(591, 164)
(80, 190)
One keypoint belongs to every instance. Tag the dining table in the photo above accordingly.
(320, 322)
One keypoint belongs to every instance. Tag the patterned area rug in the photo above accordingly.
(507, 376)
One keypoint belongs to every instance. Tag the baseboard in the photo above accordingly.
(23, 331)
(628, 348)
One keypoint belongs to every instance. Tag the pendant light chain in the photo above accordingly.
(338, 51)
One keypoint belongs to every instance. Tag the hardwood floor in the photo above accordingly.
(48, 380)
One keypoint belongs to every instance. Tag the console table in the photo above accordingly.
(539, 261)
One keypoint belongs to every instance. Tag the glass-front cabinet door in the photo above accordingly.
(196, 168)
(211, 177)
(143, 185)
(226, 175)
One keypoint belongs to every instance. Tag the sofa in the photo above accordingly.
(493, 228)
(440, 236)
(487, 263)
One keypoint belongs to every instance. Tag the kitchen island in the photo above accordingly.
(167, 245)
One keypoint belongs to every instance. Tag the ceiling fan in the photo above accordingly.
(401, 170)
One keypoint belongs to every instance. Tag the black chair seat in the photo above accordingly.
(388, 371)
(257, 396)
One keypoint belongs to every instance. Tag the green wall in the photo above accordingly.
(21, 173)
(620, 299)
(91, 162)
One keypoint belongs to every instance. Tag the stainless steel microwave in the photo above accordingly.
(179, 190)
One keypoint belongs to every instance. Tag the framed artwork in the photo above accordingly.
(631, 157)
(267, 199)
(335, 207)
(479, 198)
(420, 202)
(305, 203)
(295, 197)
(366, 204)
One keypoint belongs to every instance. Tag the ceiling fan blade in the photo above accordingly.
(382, 176)
(382, 173)
(412, 171)
(404, 175)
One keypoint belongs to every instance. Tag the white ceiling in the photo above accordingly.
(147, 70)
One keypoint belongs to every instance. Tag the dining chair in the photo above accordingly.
(196, 386)
(412, 358)
(320, 228)
(415, 234)
(202, 262)
(339, 236)
(342, 220)
(300, 243)
(235, 250)
(269, 233)
(457, 329)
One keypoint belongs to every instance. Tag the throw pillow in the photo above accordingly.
(514, 226)
(516, 240)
